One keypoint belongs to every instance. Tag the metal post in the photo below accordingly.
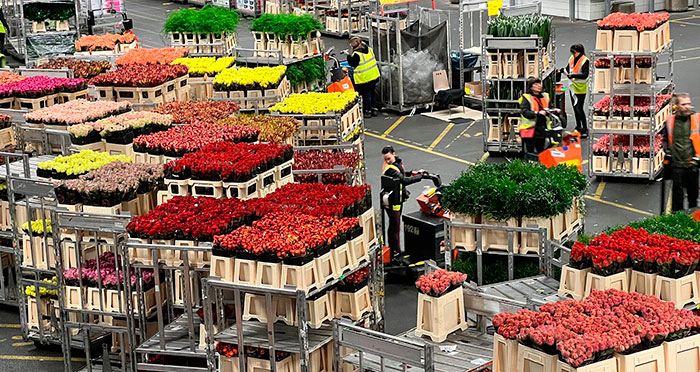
(572, 10)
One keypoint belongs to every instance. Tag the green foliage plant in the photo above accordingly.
(208, 20)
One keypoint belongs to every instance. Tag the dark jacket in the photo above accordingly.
(583, 73)
(682, 152)
(399, 180)
(354, 59)
(526, 111)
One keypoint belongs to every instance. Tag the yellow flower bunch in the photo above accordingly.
(316, 103)
(30, 290)
(81, 162)
(38, 226)
(244, 77)
(201, 66)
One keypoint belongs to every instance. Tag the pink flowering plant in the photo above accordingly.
(40, 86)
(76, 112)
(107, 274)
(439, 282)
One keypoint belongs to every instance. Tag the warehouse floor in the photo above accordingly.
(438, 146)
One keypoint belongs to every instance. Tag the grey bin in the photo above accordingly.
(677, 5)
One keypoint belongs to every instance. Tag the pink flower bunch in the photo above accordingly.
(107, 273)
(640, 148)
(438, 282)
(621, 105)
(39, 86)
(605, 322)
(76, 112)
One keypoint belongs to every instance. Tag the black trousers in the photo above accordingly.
(394, 233)
(684, 179)
(533, 147)
(366, 90)
(580, 115)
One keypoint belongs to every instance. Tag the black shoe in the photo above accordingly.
(375, 112)
(584, 135)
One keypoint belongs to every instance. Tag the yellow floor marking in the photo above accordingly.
(393, 126)
(167, 3)
(681, 60)
(668, 201)
(599, 190)
(484, 157)
(20, 344)
(9, 325)
(617, 205)
(478, 134)
(38, 358)
(684, 18)
(18, 337)
(584, 162)
(441, 136)
(686, 23)
(419, 148)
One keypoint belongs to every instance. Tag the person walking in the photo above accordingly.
(393, 194)
(682, 147)
(365, 74)
(577, 70)
(534, 121)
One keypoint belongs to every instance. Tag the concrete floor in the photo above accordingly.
(423, 143)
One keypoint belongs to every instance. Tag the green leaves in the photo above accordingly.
(284, 25)
(678, 225)
(521, 26)
(39, 12)
(204, 21)
(307, 71)
(514, 189)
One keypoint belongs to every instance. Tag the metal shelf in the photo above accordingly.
(286, 337)
(177, 341)
(639, 89)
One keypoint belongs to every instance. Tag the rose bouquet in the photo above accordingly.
(264, 354)
(244, 78)
(229, 162)
(81, 69)
(77, 111)
(633, 21)
(180, 140)
(198, 112)
(72, 166)
(316, 103)
(325, 160)
(439, 282)
(205, 66)
(316, 199)
(103, 42)
(40, 86)
(190, 218)
(272, 129)
(227, 350)
(144, 56)
(591, 330)
(10, 77)
(110, 185)
(91, 276)
(641, 147)
(139, 75)
(621, 105)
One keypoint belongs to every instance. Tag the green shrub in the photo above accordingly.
(678, 225)
(204, 21)
(521, 26)
(495, 267)
(307, 71)
(284, 25)
(39, 12)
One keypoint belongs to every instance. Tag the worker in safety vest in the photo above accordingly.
(394, 193)
(365, 74)
(3, 30)
(682, 147)
(577, 70)
(534, 121)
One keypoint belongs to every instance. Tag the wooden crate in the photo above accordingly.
(496, 239)
(604, 40)
(8, 103)
(344, 261)
(626, 41)
(601, 163)
(245, 271)
(32, 104)
(530, 242)
(532, 360)
(201, 88)
(683, 354)
(7, 137)
(650, 360)
(369, 229)
(601, 80)
(463, 237)
(226, 364)
(505, 354)
(43, 256)
(267, 182)
(114, 210)
(129, 94)
(319, 311)
(169, 90)
(212, 189)
(268, 274)
(572, 282)
(326, 267)
(117, 149)
(680, 291)
(72, 297)
(352, 305)
(304, 277)
(617, 281)
(263, 365)
(66, 97)
(177, 187)
(152, 95)
(106, 93)
(222, 267)
(243, 190)
(283, 171)
(95, 146)
(34, 305)
(643, 75)
(439, 316)
(359, 250)
(642, 282)
(607, 365)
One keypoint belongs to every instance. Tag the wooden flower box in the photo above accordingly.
(343, 259)
(105, 93)
(43, 258)
(112, 298)
(32, 104)
(34, 305)
(643, 283)
(64, 97)
(201, 88)
(601, 163)
(177, 187)
(352, 305)
(286, 310)
(95, 146)
(243, 190)
(572, 219)
(573, 282)
(268, 274)
(439, 316)
(244, 271)
(8, 103)
(319, 311)
(129, 94)
(88, 251)
(142, 255)
(369, 229)
(625, 41)
(533, 360)
(170, 90)
(463, 237)
(267, 181)
(650, 360)
(115, 210)
(116, 149)
(654, 40)
(601, 80)
(153, 95)
(213, 189)
(95, 299)
(300, 277)
(497, 239)
(72, 296)
(359, 251)
(251, 99)
(617, 281)
(283, 174)
(530, 242)
(326, 267)
(227, 364)
(263, 365)
(505, 354)
(680, 291)
(222, 267)
(607, 365)
(683, 354)
(163, 196)
(255, 308)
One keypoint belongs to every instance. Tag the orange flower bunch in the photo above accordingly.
(9, 77)
(103, 42)
(142, 56)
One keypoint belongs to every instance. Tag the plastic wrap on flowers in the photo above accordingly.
(418, 68)
(51, 44)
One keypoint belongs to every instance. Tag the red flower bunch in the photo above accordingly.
(438, 282)
(316, 199)
(621, 142)
(284, 235)
(5, 121)
(140, 75)
(324, 160)
(264, 354)
(190, 218)
(197, 112)
(145, 56)
(627, 62)
(81, 69)
(227, 350)
(633, 21)
(602, 63)
(592, 329)
(180, 140)
(621, 105)
(231, 162)
(357, 277)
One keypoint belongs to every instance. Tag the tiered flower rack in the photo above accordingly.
(147, 97)
(341, 17)
(291, 49)
(511, 61)
(330, 128)
(356, 176)
(256, 99)
(205, 45)
(633, 82)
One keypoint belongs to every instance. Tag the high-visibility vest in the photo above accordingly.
(395, 207)
(694, 131)
(526, 123)
(580, 85)
(367, 69)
